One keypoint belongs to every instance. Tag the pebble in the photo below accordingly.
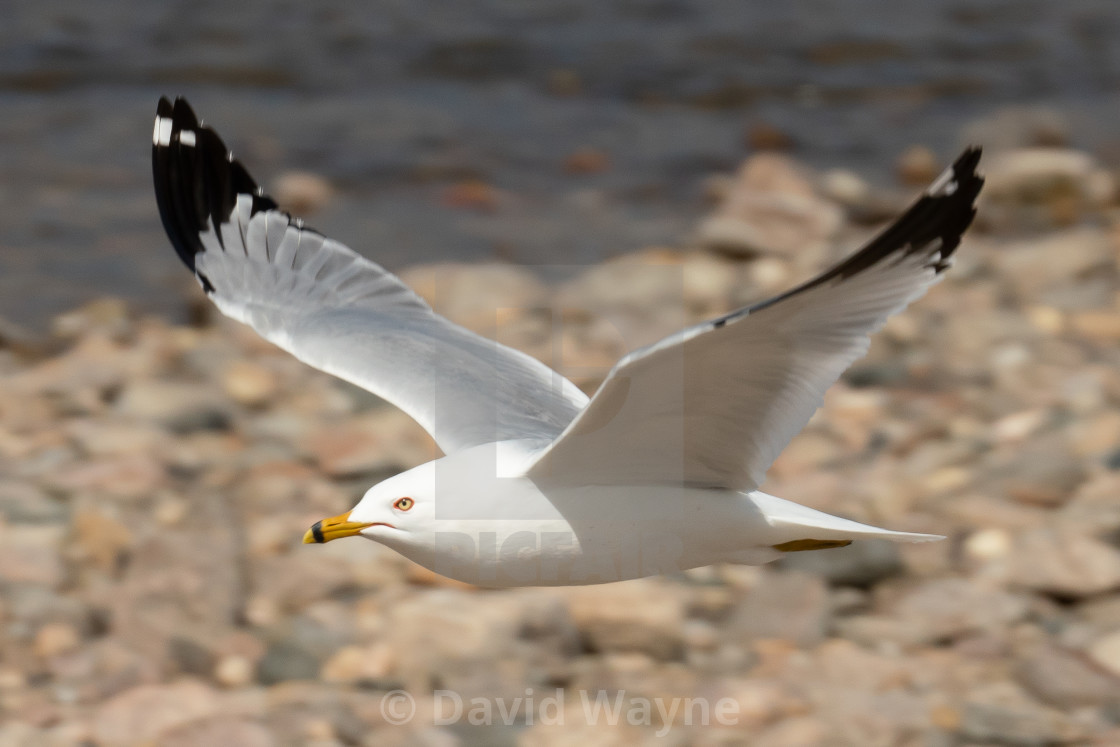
(795, 732)
(943, 609)
(25, 503)
(471, 194)
(765, 136)
(1106, 652)
(641, 616)
(234, 671)
(285, 661)
(223, 730)
(30, 555)
(54, 639)
(1033, 267)
(381, 440)
(586, 161)
(250, 384)
(178, 406)
(1035, 173)
(1001, 712)
(791, 605)
(1064, 562)
(1043, 473)
(772, 208)
(845, 187)
(917, 166)
(99, 539)
(301, 192)
(354, 664)
(1066, 679)
(148, 713)
(988, 544)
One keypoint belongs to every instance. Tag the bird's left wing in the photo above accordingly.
(713, 405)
(336, 310)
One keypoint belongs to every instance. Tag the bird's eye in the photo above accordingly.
(403, 504)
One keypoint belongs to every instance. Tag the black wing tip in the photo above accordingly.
(942, 215)
(197, 180)
(969, 159)
(960, 175)
(960, 185)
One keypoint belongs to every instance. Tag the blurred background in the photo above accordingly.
(602, 173)
(599, 121)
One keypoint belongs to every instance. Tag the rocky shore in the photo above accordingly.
(155, 481)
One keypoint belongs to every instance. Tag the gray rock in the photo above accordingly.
(795, 732)
(381, 440)
(302, 712)
(301, 192)
(102, 669)
(937, 611)
(1065, 562)
(287, 660)
(1037, 265)
(19, 734)
(1042, 473)
(771, 208)
(25, 503)
(1032, 175)
(145, 714)
(950, 607)
(182, 584)
(178, 406)
(1002, 714)
(1065, 679)
(31, 554)
(1093, 510)
(295, 580)
(791, 605)
(454, 637)
(1102, 612)
(32, 606)
(645, 616)
(223, 730)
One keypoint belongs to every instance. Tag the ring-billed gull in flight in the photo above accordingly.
(656, 473)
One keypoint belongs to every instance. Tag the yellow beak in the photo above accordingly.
(333, 528)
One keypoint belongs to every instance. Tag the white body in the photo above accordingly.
(477, 518)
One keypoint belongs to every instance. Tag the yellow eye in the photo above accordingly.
(403, 504)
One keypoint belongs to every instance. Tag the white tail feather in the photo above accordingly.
(792, 522)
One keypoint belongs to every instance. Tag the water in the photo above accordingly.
(395, 101)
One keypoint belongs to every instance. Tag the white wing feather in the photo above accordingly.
(713, 405)
(338, 311)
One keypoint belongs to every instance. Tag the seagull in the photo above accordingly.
(657, 473)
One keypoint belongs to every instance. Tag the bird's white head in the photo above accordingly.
(390, 511)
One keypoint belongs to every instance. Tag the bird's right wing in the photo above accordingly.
(336, 310)
(713, 405)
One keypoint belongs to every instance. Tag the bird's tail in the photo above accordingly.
(796, 527)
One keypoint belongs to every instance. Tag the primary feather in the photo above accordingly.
(336, 310)
(713, 405)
